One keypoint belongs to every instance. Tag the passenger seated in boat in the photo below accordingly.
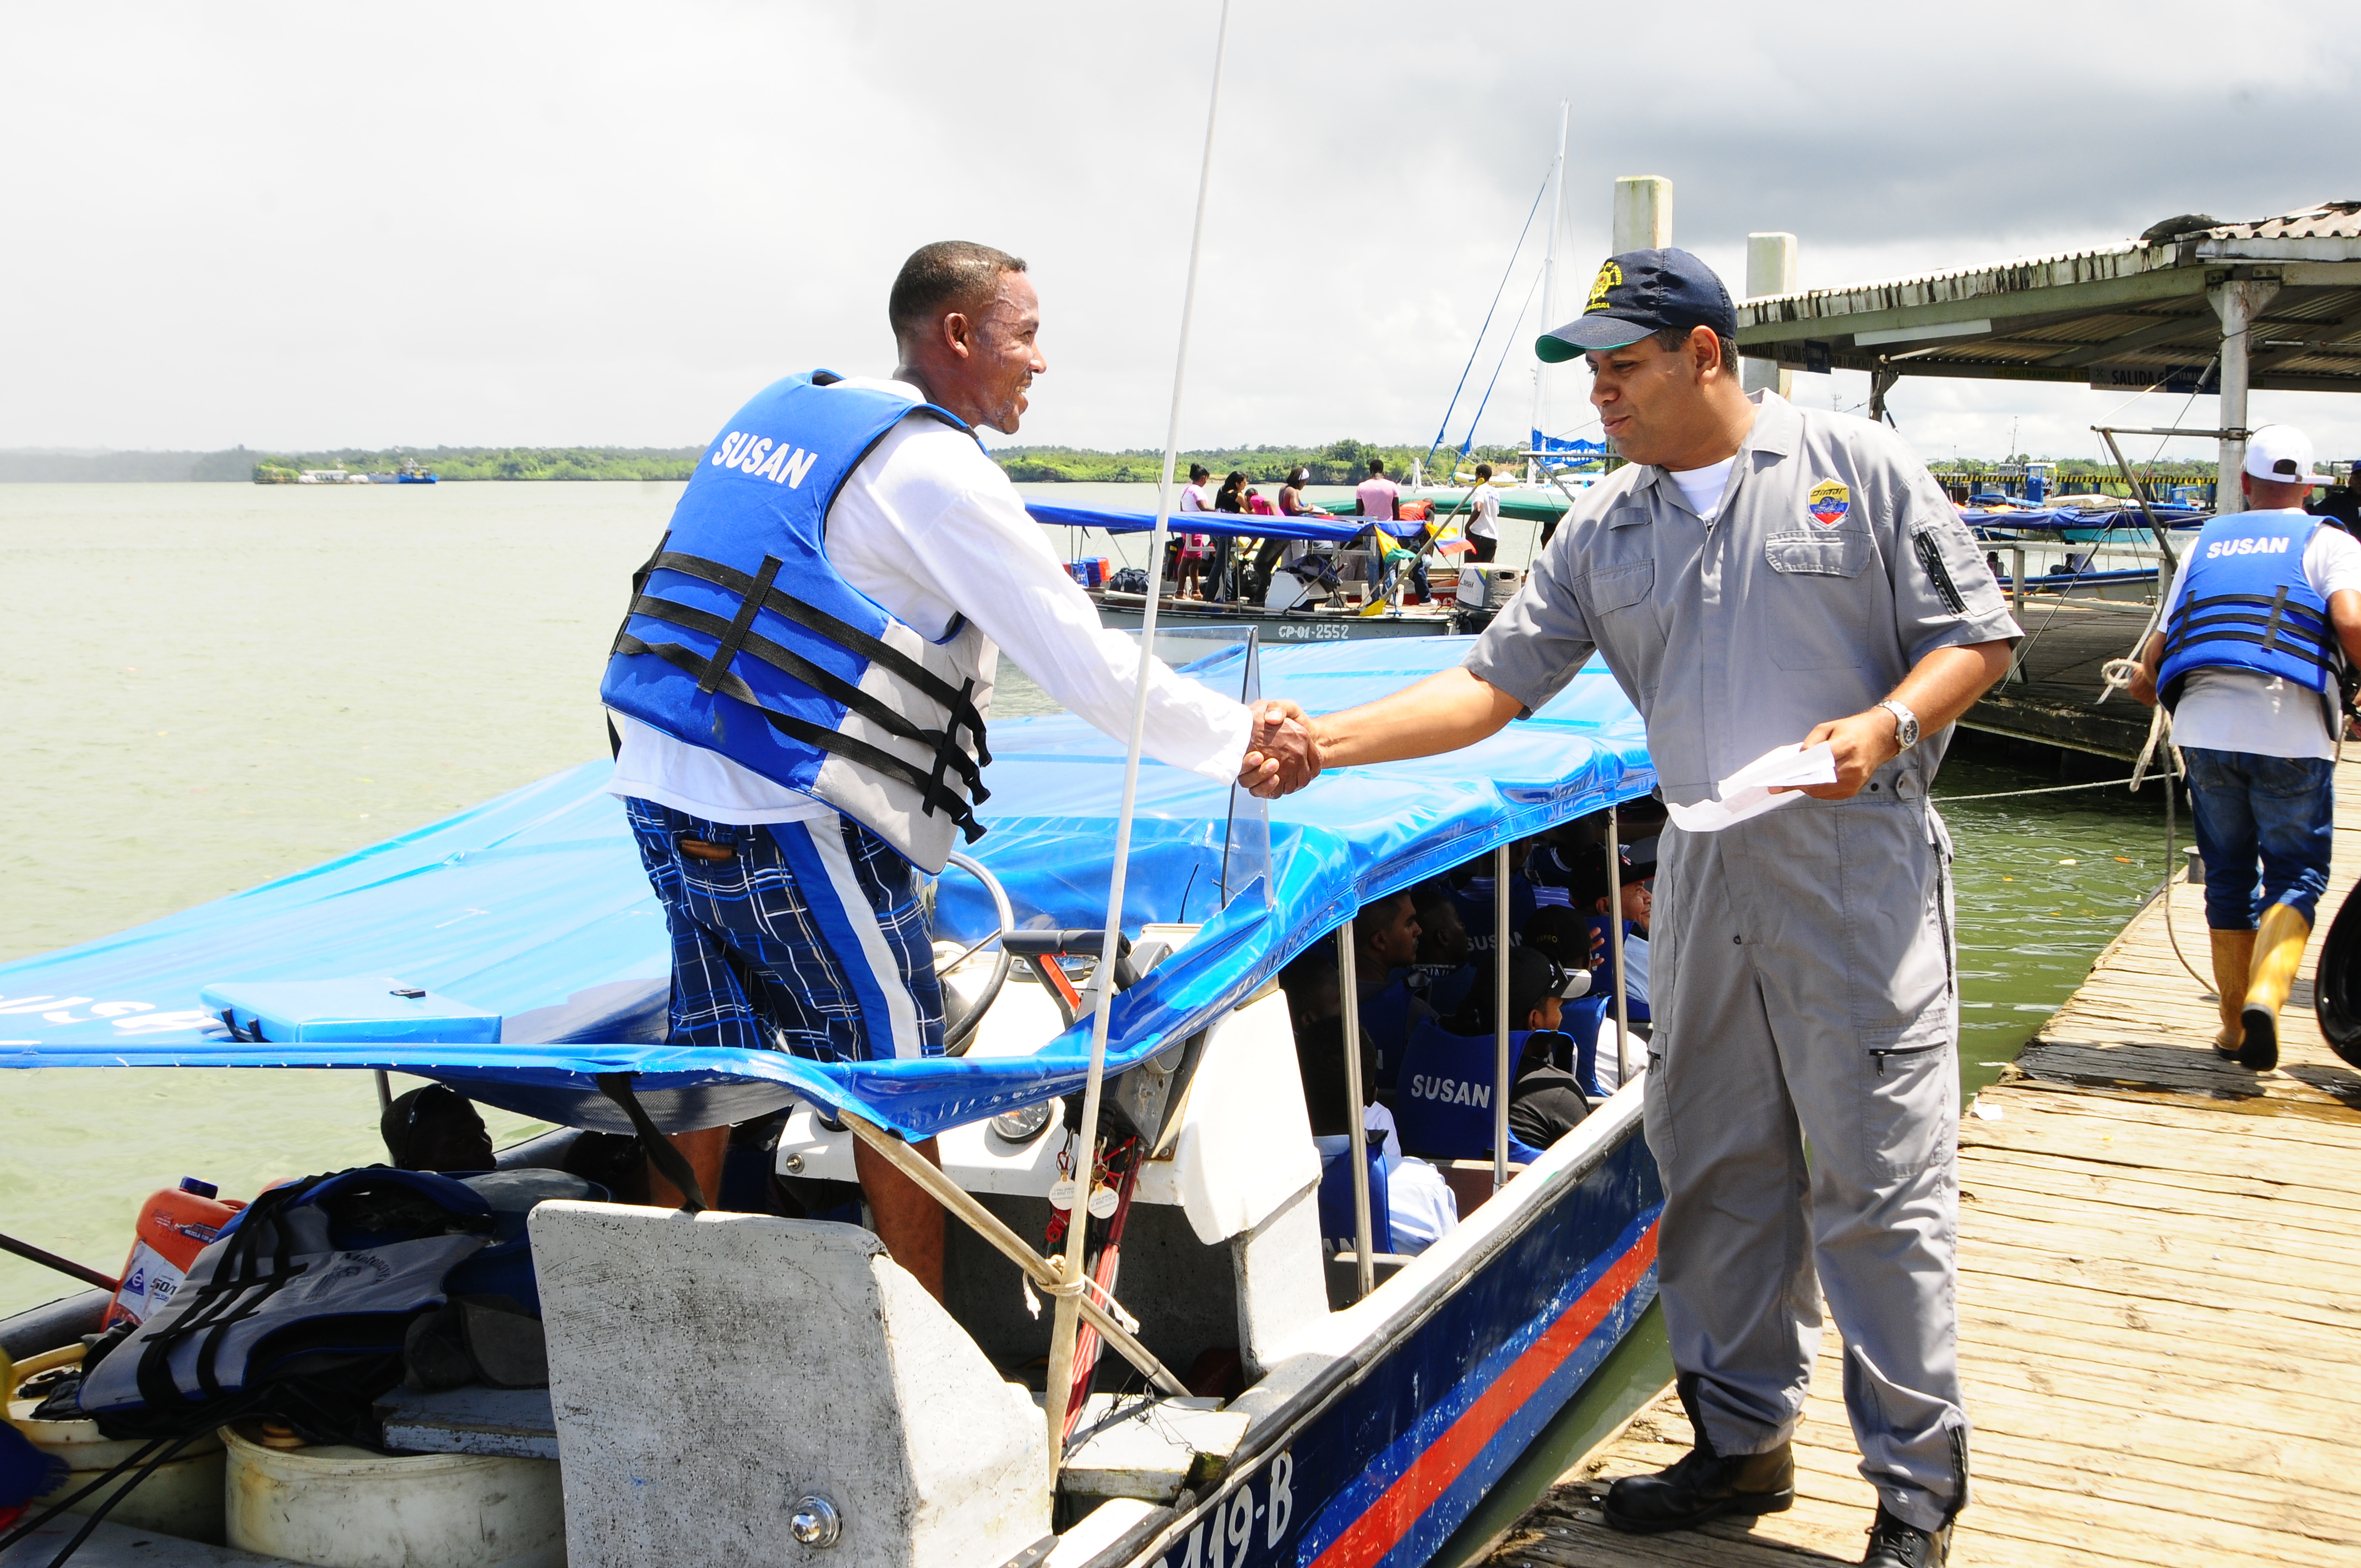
(1471, 887)
(1385, 947)
(1443, 973)
(1546, 1100)
(436, 1128)
(1564, 936)
(1419, 1208)
(1631, 892)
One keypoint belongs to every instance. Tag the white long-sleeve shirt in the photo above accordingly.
(930, 528)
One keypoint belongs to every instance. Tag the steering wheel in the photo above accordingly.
(960, 1033)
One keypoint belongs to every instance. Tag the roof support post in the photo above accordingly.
(1643, 213)
(1770, 270)
(2238, 302)
(1881, 381)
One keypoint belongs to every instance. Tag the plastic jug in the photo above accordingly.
(173, 1227)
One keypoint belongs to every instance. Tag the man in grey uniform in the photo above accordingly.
(1762, 574)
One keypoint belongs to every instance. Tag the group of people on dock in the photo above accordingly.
(1759, 575)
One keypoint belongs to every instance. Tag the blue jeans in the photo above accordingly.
(2278, 811)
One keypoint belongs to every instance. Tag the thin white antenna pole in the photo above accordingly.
(1549, 275)
(1063, 1326)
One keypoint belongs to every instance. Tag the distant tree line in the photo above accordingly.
(493, 462)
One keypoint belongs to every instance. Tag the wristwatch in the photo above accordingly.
(1905, 724)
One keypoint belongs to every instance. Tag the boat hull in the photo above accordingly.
(1381, 1462)
(1123, 611)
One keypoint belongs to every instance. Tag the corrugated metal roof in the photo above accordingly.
(2329, 220)
(2137, 309)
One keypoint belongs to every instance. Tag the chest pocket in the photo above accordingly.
(1620, 607)
(1821, 607)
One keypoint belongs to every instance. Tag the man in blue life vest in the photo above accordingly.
(800, 688)
(2264, 621)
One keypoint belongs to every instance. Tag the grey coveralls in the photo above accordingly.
(1804, 984)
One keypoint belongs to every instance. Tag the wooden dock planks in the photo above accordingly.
(2160, 1295)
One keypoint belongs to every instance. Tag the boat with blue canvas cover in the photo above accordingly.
(515, 951)
(1298, 607)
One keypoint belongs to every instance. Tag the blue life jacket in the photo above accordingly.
(1385, 1018)
(1475, 902)
(744, 639)
(2247, 605)
(1442, 1103)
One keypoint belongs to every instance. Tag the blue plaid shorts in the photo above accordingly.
(810, 937)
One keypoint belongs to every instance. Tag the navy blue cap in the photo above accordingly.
(1640, 293)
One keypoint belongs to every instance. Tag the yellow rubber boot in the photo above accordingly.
(2279, 953)
(2234, 955)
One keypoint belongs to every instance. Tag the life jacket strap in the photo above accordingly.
(2273, 624)
(236, 1289)
(934, 795)
(740, 625)
(820, 678)
(962, 711)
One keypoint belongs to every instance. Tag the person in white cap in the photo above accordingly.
(2262, 628)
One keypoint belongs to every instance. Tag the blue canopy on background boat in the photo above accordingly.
(2052, 519)
(534, 906)
(1228, 524)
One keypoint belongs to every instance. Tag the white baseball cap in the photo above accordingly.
(2282, 454)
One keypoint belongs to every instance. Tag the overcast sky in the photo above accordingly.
(308, 226)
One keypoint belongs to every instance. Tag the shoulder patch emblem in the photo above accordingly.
(1829, 502)
(1610, 275)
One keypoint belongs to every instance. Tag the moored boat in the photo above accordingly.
(516, 952)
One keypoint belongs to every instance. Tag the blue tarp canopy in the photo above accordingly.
(1228, 524)
(534, 906)
(2051, 519)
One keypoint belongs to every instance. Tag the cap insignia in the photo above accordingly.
(1609, 277)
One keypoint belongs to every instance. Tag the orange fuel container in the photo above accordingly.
(174, 1226)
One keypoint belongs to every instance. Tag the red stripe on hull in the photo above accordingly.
(1380, 1529)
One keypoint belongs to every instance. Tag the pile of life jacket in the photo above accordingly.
(317, 1300)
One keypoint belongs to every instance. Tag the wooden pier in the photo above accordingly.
(2052, 695)
(2159, 1301)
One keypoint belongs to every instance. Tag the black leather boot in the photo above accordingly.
(1702, 1484)
(1894, 1544)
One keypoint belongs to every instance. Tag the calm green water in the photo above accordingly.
(213, 685)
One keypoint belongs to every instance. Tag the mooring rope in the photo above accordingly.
(2012, 793)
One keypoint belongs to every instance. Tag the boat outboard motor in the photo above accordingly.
(2336, 986)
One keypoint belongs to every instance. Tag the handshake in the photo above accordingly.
(1282, 750)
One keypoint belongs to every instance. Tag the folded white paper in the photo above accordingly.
(1747, 792)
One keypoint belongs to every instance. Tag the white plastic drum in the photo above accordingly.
(183, 1497)
(346, 1508)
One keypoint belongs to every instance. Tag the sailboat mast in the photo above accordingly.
(1549, 278)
